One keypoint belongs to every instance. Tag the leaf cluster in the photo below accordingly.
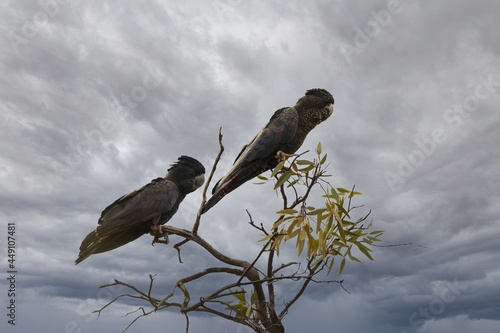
(325, 231)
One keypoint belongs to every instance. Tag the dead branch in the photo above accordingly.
(204, 197)
(209, 180)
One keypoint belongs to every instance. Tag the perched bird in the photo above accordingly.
(144, 210)
(282, 136)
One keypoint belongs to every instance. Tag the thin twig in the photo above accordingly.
(401, 244)
(204, 200)
(178, 248)
(187, 321)
(254, 261)
(252, 223)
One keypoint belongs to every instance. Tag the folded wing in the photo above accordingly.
(132, 216)
(259, 155)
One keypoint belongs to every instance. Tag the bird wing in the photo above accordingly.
(253, 158)
(279, 130)
(150, 202)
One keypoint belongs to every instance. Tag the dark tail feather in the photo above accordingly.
(92, 244)
(213, 201)
(89, 245)
(231, 182)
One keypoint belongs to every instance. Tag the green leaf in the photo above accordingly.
(277, 168)
(240, 296)
(321, 239)
(329, 224)
(292, 183)
(292, 226)
(318, 148)
(317, 211)
(248, 312)
(253, 298)
(342, 265)
(303, 162)
(267, 237)
(365, 250)
(300, 246)
(334, 194)
(307, 168)
(293, 234)
(356, 260)
(283, 179)
(323, 160)
(342, 234)
(302, 234)
(261, 177)
(319, 224)
(330, 266)
(288, 211)
(348, 223)
(338, 219)
(239, 309)
(312, 244)
(353, 258)
(342, 209)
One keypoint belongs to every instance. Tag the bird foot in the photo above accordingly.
(157, 233)
(282, 156)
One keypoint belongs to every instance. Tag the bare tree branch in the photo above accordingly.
(250, 299)
(209, 180)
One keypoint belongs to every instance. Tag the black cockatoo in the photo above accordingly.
(282, 136)
(138, 212)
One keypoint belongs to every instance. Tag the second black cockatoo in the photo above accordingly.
(140, 211)
(282, 136)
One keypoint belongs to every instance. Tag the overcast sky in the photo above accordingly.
(99, 97)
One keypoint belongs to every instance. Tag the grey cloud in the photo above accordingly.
(72, 143)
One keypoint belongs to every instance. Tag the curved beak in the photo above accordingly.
(330, 109)
(198, 181)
